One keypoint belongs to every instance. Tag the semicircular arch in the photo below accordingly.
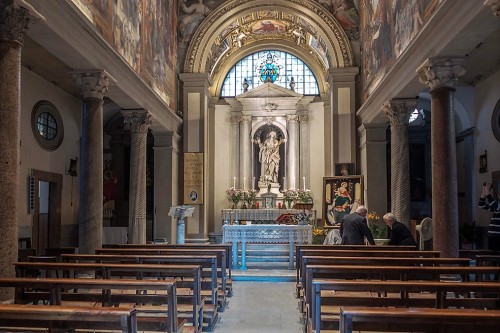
(214, 50)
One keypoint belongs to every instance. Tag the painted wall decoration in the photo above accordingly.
(144, 33)
(346, 13)
(268, 27)
(387, 28)
(191, 14)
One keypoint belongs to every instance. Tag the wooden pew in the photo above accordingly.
(376, 261)
(223, 274)
(225, 247)
(138, 271)
(383, 273)
(67, 317)
(208, 264)
(403, 294)
(411, 320)
(160, 296)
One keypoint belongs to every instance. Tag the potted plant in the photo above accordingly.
(319, 235)
(304, 199)
(378, 228)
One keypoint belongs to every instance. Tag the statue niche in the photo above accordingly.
(269, 153)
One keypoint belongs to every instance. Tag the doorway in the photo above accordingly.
(46, 230)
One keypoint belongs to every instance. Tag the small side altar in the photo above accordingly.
(291, 234)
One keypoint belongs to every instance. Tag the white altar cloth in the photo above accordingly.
(262, 215)
(262, 233)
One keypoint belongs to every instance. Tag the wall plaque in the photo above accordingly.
(193, 178)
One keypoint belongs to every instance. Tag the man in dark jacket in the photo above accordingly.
(400, 234)
(354, 228)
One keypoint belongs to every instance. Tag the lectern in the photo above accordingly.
(180, 212)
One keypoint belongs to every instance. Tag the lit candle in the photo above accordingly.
(304, 181)
(244, 181)
(284, 187)
(293, 182)
(234, 182)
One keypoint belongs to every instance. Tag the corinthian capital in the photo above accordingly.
(245, 119)
(292, 118)
(15, 18)
(93, 83)
(494, 5)
(399, 110)
(440, 72)
(235, 120)
(304, 119)
(138, 120)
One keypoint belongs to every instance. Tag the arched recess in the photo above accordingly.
(215, 47)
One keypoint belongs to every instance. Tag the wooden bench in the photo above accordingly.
(156, 301)
(224, 274)
(139, 271)
(67, 317)
(208, 264)
(383, 273)
(419, 294)
(416, 319)
(376, 261)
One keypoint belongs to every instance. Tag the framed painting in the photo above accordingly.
(344, 169)
(341, 195)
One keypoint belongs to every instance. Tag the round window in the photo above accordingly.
(47, 126)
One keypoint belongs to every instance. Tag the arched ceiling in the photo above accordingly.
(240, 27)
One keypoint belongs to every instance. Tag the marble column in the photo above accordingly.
(235, 148)
(94, 86)
(440, 74)
(304, 150)
(292, 125)
(245, 153)
(166, 189)
(398, 111)
(15, 18)
(139, 122)
(494, 5)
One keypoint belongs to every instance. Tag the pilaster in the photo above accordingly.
(245, 152)
(304, 148)
(292, 124)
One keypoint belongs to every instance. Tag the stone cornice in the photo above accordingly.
(441, 72)
(15, 18)
(93, 83)
(399, 110)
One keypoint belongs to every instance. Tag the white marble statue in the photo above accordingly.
(269, 157)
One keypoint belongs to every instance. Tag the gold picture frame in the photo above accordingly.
(341, 195)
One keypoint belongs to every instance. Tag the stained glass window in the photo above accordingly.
(278, 67)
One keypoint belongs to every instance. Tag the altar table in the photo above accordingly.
(262, 215)
(261, 233)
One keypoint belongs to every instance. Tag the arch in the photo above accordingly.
(259, 124)
(210, 50)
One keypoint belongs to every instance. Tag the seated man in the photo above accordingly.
(354, 228)
(400, 234)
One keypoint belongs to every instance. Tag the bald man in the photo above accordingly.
(354, 228)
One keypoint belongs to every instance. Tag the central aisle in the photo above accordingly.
(261, 307)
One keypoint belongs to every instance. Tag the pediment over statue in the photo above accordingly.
(269, 89)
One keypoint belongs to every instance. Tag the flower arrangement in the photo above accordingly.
(249, 196)
(304, 196)
(289, 196)
(319, 235)
(377, 227)
(302, 218)
(234, 196)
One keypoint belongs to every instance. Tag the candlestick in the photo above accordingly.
(244, 181)
(234, 182)
(253, 183)
(293, 182)
(284, 187)
(304, 181)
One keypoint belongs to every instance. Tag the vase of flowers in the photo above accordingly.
(304, 199)
(319, 235)
(233, 196)
(289, 196)
(249, 197)
(377, 226)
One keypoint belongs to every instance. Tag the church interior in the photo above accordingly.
(169, 121)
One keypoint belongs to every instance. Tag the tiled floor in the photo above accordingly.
(261, 307)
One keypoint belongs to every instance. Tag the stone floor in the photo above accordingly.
(261, 307)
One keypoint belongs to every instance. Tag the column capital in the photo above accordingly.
(138, 120)
(292, 118)
(494, 5)
(235, 120)
(441, 72)
(166, 139)
(399, 110)
(94, 83)
(245, 119)
(15, 18)
(304, 119)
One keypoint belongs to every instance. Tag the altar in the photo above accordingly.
(291, 234)
(262, 216)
